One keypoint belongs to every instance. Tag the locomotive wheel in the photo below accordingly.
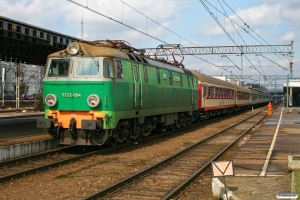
(177, 125)
(112, 142)
(171, 128)
(128, 139)
(55, 131)
(59, 132)
(140, 137)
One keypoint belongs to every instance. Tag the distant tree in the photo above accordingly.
(23, 88)
(39, 104)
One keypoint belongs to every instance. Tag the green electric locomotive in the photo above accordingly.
(105, 92)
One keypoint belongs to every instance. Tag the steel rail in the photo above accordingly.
(24, 159)
(24, 173)
(178, 190)
(16, 161)
(127, 181)
(17, 175)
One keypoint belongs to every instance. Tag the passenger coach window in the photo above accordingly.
(87, 67)
(108, 70)
(213, 92)
(59, 68)
(119, 69)
(222, 89)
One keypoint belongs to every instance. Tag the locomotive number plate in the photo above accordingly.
(70, 95)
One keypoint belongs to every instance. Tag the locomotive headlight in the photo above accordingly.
(51, 100)
(73, 48)
(93, 100)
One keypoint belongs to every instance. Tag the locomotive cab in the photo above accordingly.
(77, 88)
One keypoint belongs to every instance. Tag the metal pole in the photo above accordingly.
(3, 75)
(265, 84)
(287, 92)
(242, 63)
(275, 92)
(259, 82)
(18, 87)
(18, 94)
(291, 59)
(225, 189)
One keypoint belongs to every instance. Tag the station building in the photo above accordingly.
(291, 91)
(30, 78)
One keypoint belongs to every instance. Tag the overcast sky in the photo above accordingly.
(276, 22)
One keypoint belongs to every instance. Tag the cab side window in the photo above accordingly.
(158, 75)
(119, 69)
(135, 72)
(170, 78)
(108, 68)
(145, 74)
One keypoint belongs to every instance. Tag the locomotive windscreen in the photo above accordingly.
(87, 67)
(59, 68)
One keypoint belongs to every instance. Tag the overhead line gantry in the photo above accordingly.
(177, 49)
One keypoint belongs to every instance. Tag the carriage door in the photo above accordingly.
(137, 87)
(194, 86)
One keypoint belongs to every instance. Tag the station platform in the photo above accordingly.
(21, 145)
(267, 150)
(22, 113)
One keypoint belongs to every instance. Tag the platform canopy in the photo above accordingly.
(22, 42)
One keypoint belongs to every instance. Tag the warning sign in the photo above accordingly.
(222, 168)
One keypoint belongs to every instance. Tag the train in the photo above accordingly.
(106, 92)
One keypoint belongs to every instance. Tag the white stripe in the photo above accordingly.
(263, 171)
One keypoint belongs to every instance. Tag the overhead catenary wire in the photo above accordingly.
(147, 17)
(250, 28)
(165, 28)
(232, 23)
(218, 22)
(260, 64)
(268, 45)
(135, 29)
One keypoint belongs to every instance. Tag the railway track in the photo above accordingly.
(24, 166)
(170, 177)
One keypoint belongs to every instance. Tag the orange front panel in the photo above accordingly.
(64, 117)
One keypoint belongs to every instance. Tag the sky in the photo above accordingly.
(185, 22)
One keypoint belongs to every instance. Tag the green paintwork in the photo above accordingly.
(127, 98)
